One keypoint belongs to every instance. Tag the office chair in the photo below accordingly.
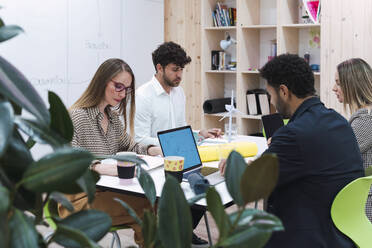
(348, 212)
(113, 230)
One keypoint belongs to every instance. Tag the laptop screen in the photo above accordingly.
(180, 142)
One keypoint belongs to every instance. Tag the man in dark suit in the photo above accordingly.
(318, 155)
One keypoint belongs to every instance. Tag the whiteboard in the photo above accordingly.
(66, 40)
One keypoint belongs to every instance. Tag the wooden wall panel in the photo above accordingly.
(346, 33)
(182, 25)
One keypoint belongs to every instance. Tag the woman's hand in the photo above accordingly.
(154, 151)
(106, 169)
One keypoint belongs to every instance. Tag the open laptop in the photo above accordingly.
(180, 142)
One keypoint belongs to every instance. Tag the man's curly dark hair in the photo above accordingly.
(168, 53)
(292, 71)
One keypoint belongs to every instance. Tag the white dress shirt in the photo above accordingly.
(156, 110)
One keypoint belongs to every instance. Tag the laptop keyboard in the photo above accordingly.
(215, 178)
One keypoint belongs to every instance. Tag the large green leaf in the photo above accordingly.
(130, 211)
(17, 158)
(93, 223)
(217, 210)
(257, 218)
(249, 237)
(17, 88)
(72, 237)
(147, 184)
(60, 119)
(60, 198)
(253, 228)
(9, 31)
(235, 166)
(175, 227)
(4, 200)
(259, 178)
(245, 217)
(39, 133)
(87, 183)
(22, 231)
(4, 231)
(54, 171)
(6, 124)
(149, 228)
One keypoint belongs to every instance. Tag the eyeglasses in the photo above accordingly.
(119, 87)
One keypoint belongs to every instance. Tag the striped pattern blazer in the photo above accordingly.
(89, 134)
(361, 122)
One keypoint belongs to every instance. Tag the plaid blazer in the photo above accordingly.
(361, 122)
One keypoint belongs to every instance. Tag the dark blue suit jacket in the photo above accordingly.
(318, 155)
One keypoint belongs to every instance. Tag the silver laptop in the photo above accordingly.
(180, 142)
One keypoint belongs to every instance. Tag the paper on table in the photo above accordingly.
(152, 161)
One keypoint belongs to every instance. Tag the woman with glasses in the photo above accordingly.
(353, 88)
(98, 129)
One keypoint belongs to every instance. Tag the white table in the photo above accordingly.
(134, 188)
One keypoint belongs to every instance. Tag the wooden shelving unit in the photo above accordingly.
(259, 24)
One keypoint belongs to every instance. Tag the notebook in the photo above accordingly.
(180, 142)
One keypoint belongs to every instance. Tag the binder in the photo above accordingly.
(258, 102)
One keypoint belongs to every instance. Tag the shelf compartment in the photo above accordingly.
(257, 12)
(248, 126)
(290, 13)
(255, 47)
(208, 6)
(301, 40)
(211, 42)
(215, 84)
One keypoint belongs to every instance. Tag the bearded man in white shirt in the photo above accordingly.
(160, 105)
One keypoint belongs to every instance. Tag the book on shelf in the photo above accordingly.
(220, 60)
(215, 60)
(222, 57)
(258, 102)
(224, 16)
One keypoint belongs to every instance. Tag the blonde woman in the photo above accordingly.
(353, 88)
(98, 129)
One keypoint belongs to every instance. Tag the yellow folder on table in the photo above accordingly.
(216, 152)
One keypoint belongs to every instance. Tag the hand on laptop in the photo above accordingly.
(211, 133)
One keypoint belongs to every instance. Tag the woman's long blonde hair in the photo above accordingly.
(355, 77)
(95, 92)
